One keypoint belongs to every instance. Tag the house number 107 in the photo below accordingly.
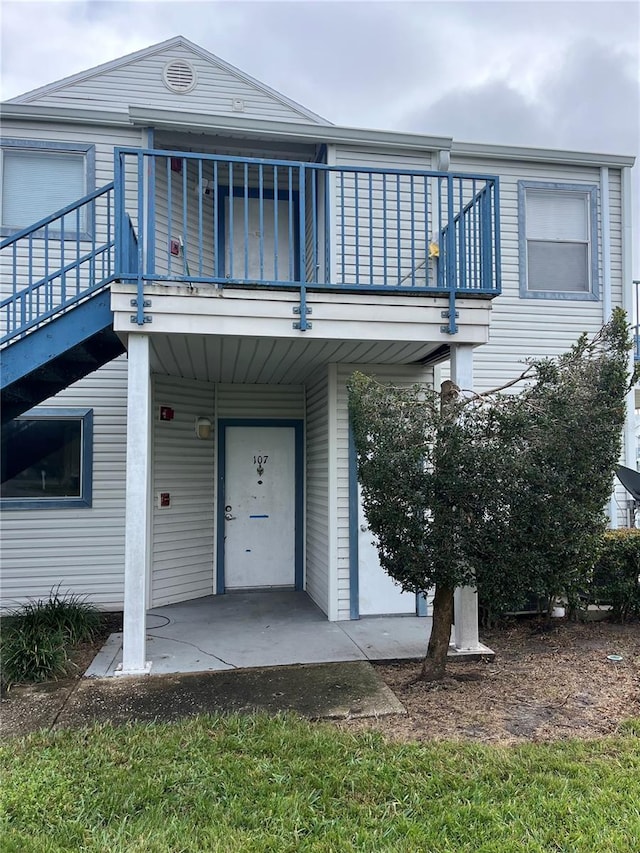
(260, 460)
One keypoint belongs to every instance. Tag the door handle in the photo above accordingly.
(228, 516)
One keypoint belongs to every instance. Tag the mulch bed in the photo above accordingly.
(547, 682)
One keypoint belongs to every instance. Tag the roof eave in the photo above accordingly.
(541, 155)
(73, 115)
(166, 119)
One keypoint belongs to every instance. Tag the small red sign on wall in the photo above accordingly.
(166, 413)
(165, 499)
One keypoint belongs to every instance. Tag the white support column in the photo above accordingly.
(465, 600)
(137, 510)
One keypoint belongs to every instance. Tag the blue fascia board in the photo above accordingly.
(56, 337)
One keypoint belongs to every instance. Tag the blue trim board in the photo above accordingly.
(86, 497)
(298, 426)
(89, 152)
(590, 191)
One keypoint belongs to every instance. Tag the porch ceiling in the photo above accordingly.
(211, 358)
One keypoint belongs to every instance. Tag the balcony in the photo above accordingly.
(221, 223)
(233, 222)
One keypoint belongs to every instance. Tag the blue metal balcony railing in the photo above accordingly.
(57, 262)
(238, 222)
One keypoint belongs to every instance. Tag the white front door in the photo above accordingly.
(255, 253)
(259, 507)
(378, 594)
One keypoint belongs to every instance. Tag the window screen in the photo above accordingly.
(558, 250)
(37, 183)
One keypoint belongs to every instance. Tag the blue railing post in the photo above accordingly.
(151, 215)
(119, 223)
(451, 257)
(302, 253)
(486, 235)
(140, 271)
(497, 273)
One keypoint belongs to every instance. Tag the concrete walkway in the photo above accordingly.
(263, 629)
(317, 691)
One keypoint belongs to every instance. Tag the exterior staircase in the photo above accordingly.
(57, 327)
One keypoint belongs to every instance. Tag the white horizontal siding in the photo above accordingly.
(403, 375)
(374, 218)
(81, 549)
(535, 328)
(317, 490)
(183, 465)
(260, 401)
(190, 218)
(104, 139)
(140, 83)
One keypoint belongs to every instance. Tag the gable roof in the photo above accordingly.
(176, 41)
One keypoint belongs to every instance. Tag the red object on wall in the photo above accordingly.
(166, 413)
(174, 247)
(165, 499)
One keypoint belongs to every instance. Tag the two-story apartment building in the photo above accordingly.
(192, 267)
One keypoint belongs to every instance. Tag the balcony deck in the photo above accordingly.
(238, 224)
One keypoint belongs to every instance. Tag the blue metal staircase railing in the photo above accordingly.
(58, 262)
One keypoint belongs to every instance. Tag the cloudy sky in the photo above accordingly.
(545, 73)
(556, 74)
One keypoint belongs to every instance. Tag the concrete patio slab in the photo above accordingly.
(256, 629)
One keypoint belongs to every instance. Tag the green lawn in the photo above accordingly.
(257, 784)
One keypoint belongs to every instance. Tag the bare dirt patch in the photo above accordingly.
(546, 682)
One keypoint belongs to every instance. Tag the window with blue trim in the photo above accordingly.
(39, 178)
(47, 460)
(558, 240)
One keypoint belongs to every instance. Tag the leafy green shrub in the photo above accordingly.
(37, 636)
(616, 575)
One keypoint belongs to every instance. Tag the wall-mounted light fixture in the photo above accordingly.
(204, 429)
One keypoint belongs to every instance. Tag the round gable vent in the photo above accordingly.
(179, 76)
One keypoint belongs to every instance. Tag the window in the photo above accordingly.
(39, 178)
(47, 459)
(558, 240)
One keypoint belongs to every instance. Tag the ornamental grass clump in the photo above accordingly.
(37, 637)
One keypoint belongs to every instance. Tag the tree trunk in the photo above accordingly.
(434, 665)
